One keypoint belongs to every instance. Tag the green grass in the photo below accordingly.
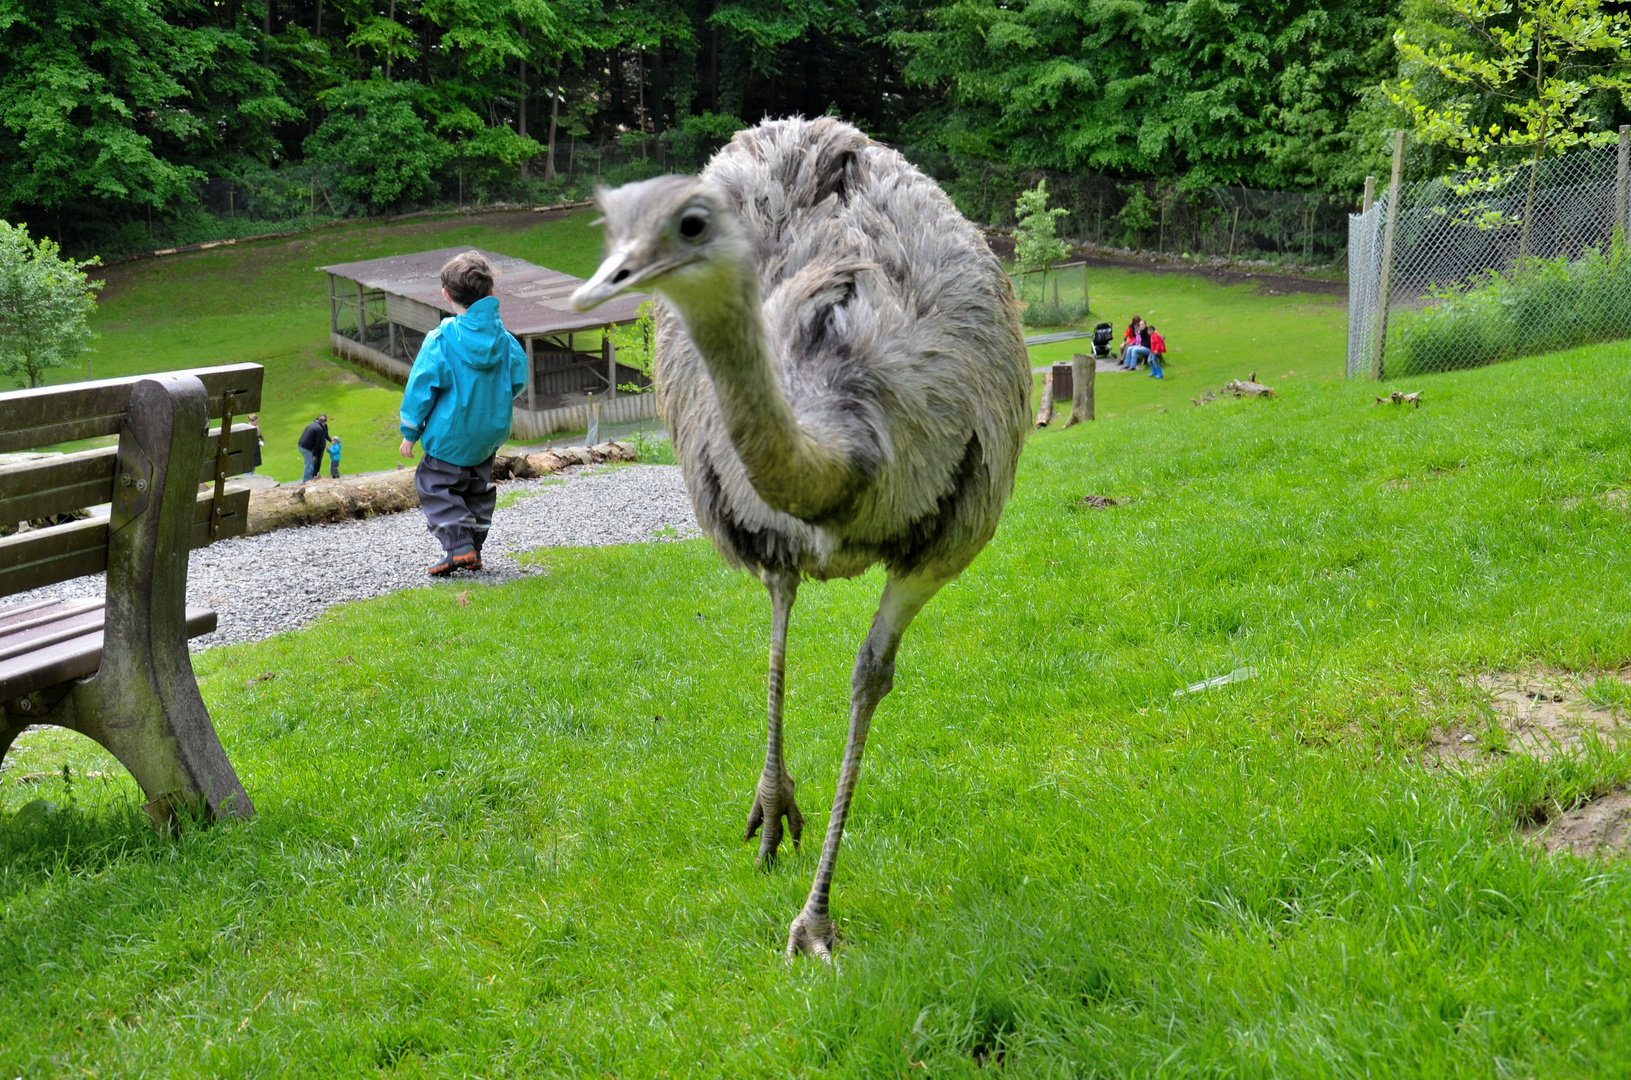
(501, 838)
(266, 303)
(1214, 333)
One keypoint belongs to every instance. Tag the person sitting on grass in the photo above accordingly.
(1158, 353)
(334, 457)
(1137, 345)
(457, 401)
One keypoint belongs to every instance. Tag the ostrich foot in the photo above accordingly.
(773, 802)
(813, 934)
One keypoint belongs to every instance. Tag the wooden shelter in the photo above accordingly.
(381, 309)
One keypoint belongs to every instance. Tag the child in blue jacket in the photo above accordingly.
(457, 403)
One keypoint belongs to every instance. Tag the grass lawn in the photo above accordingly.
(1214, 333)
(266, 303)
(498, 828)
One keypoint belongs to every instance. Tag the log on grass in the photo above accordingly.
(1044, 414)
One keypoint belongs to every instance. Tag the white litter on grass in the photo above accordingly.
(1237, 675)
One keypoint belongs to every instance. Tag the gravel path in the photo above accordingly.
(264, 585)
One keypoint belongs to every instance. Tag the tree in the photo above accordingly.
(45, 305)
(378, 144)
(1543, 62)
(1036, 247)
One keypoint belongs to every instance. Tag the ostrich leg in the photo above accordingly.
(874, 676)
(774, 797)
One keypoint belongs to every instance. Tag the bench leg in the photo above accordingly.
(143, 703)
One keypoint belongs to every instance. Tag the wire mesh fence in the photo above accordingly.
(1475, 268)
(1216, 224)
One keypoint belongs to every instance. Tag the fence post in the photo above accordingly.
(1370, 194)
(1393, 195)
(1622, 183)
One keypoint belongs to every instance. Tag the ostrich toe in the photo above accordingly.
(772, 803)
(813, 934)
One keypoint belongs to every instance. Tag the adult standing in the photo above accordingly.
(313, 443)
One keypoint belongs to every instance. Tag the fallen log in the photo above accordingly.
(354, 498)
(1044, 413)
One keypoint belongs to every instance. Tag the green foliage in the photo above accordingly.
(1547, 305)
(377, 144)
(634, 341)
(1542, 62)
(46, 303)
(1257, 92)
(1036, 243)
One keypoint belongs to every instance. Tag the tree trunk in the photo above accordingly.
(1083, 371)
(391, 17)
(521, 118)
(1044, 414)
(554, 119)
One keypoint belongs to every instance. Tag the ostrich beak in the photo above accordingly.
(619, 271)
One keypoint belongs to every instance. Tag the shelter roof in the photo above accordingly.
(532, 299)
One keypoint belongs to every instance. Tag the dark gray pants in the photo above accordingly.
(458, 502)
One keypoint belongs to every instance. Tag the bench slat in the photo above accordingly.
(49, 415)
(41, 557)
(36, 489)
(74, 657)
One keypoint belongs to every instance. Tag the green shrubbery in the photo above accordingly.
(1550, 304)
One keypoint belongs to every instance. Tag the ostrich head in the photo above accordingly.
(672, 234)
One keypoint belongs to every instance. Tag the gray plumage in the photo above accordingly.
(841, 368)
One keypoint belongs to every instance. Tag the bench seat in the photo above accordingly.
(44, 643)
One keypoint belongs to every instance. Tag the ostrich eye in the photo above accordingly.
(693, 223)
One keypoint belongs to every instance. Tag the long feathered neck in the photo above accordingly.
(790, 468)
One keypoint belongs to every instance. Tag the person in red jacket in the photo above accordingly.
(1158, 350)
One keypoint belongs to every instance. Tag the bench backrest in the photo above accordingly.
(45, 487)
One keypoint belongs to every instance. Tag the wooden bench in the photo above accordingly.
(117, 669)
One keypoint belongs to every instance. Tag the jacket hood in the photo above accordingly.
(480, 338)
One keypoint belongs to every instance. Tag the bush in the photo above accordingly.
(1549, 304)
(374, 140)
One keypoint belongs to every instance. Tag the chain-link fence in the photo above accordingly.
(1306, 230)
(1470, 269)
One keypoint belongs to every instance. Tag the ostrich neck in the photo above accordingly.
(790, 468)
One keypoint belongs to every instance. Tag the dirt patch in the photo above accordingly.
(1602, 826)
(1541, 712)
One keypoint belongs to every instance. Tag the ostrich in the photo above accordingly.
(840, 365)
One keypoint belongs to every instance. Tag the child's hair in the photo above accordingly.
(468, 277)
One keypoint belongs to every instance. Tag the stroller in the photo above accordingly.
(1102, 335)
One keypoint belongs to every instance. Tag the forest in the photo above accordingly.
(120, 116)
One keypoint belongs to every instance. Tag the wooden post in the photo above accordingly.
(1370, 194)
(1087, 308)
(1622, 183)
(1044, 414)
(390, 337)
(609, 349)
(1081, 403)
(333, 308)
(362, 323)
(1394, 195)
(532, 375)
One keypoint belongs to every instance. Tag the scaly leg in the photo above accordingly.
(874, 676)
(774, 798)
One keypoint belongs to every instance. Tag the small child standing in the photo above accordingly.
(457, 402)
(334, 457)
(1158, 352)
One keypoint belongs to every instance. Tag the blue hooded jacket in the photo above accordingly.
(464, 379)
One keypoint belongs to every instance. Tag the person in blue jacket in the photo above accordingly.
(457, 404)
